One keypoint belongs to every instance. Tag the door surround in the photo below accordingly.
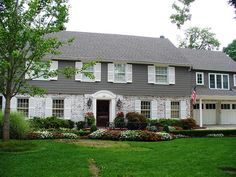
(105, 95)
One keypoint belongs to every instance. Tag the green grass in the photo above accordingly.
(182, 157)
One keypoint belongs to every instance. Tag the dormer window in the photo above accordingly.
(119, 73)
(199, 78)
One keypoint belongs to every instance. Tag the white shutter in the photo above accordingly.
(234, 77)
(48, 107)
(154, 109)
(97, 72)
(29, 74)
(110, 76)
(78, 66)
(183, 109)
(168, 109)
(14, 104)
(54, 67)
(171, 75)
(129, 75)
(3, 103)
(151, 74)
(67, 108)
(138, 106)
(31, 107)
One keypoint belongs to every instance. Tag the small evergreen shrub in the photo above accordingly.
(136, 121)
(19, 125)
(119, 120)
(80, 125)
(93, 128)
(71, 124)
(188, 124)
(169, 122)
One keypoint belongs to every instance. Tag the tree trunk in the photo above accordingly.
(6, 119)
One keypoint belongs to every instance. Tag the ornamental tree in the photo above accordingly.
(25, 39)
(231, 50)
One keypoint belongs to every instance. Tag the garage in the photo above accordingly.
(228, 113)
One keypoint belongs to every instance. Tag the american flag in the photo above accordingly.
(194, 95)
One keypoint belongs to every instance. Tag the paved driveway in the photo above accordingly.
(220, 127)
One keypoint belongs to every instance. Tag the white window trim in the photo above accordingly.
(234, 78)
(216, 81)
(201, 73)
(160, 83)
(119, 82)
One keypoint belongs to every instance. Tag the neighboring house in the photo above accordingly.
(141, 74)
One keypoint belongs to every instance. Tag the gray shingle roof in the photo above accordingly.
(113, 47)
(209, 60)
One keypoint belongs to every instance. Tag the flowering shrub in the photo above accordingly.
(111, 135)
(120, 114)
(130, 135)
(215, 135)
(89, 118)
(165, 136)
(97, 134)
(152, 128)
(44, 134)
(70, 135)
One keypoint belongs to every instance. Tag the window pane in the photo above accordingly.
(175, 112)
(23, 106)
(146, 108)
(89, 70)
(218, 81)
(161, 75)
(58, 108)
(199, 78)
(225, 82)
(212, 81)
(119, 72)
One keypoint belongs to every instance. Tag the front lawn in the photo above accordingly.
(67, 158)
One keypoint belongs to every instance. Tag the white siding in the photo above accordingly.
(154, 109)
(67, 108)
(168, 109)
(48, 107)
(31, 107)
(138, 106)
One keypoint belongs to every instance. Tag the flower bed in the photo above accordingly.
(130, 135)
(51, 135)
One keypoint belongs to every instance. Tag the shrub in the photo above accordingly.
(97, 134)
(165, 136)
(89, 118)
(93, 128)
(131, 135)
(44, 134)
(153, 122)
(188, 123)
(136, 121)
(37, 123)
(80, 125)
(83, 132)
(71, 124)
(215, 135)
(202, 133)
(119, 120)
(152, 128)
(70, 135)
(112, 135)
(169, 122)
(19, 126)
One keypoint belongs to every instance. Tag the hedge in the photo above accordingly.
(202, 133)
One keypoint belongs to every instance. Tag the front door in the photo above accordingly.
(102, 112)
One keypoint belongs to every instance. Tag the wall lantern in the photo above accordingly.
(89, 103)
(119, 103)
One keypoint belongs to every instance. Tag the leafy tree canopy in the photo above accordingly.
(231, 50)
(199, 38)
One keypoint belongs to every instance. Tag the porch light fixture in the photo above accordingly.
(119, 103)
(89, 103)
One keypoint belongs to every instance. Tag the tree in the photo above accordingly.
(231, 50)
(25, 27)
(182, 13)
(197, 38)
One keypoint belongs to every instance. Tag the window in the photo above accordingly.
(199, 78)
(23, 106)
(58, 108)
(233, 106)
(219, 81)
(196, 106)
(90, 71)
(210, 106)
(146, 108)
(175, 113)
(225, 106)
(119, 73)
(234, 77)
(161, 75)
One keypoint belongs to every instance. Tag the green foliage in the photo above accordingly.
(93, 128)
(169, 122)
(202, 133)
(89, 119)
(153, 122)
(231, 50)
(182, 12)
(119, 120)
(199, 38)
(51, 123)
(19, 126)
(188, 124)
(136, 121)
(80, 125)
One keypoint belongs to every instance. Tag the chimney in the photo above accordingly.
(163, 37)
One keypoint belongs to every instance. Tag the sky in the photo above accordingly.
(150, 18)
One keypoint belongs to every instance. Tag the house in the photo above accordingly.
(141, 74)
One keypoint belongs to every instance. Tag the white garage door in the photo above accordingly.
(208, 113)
(228, 113)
